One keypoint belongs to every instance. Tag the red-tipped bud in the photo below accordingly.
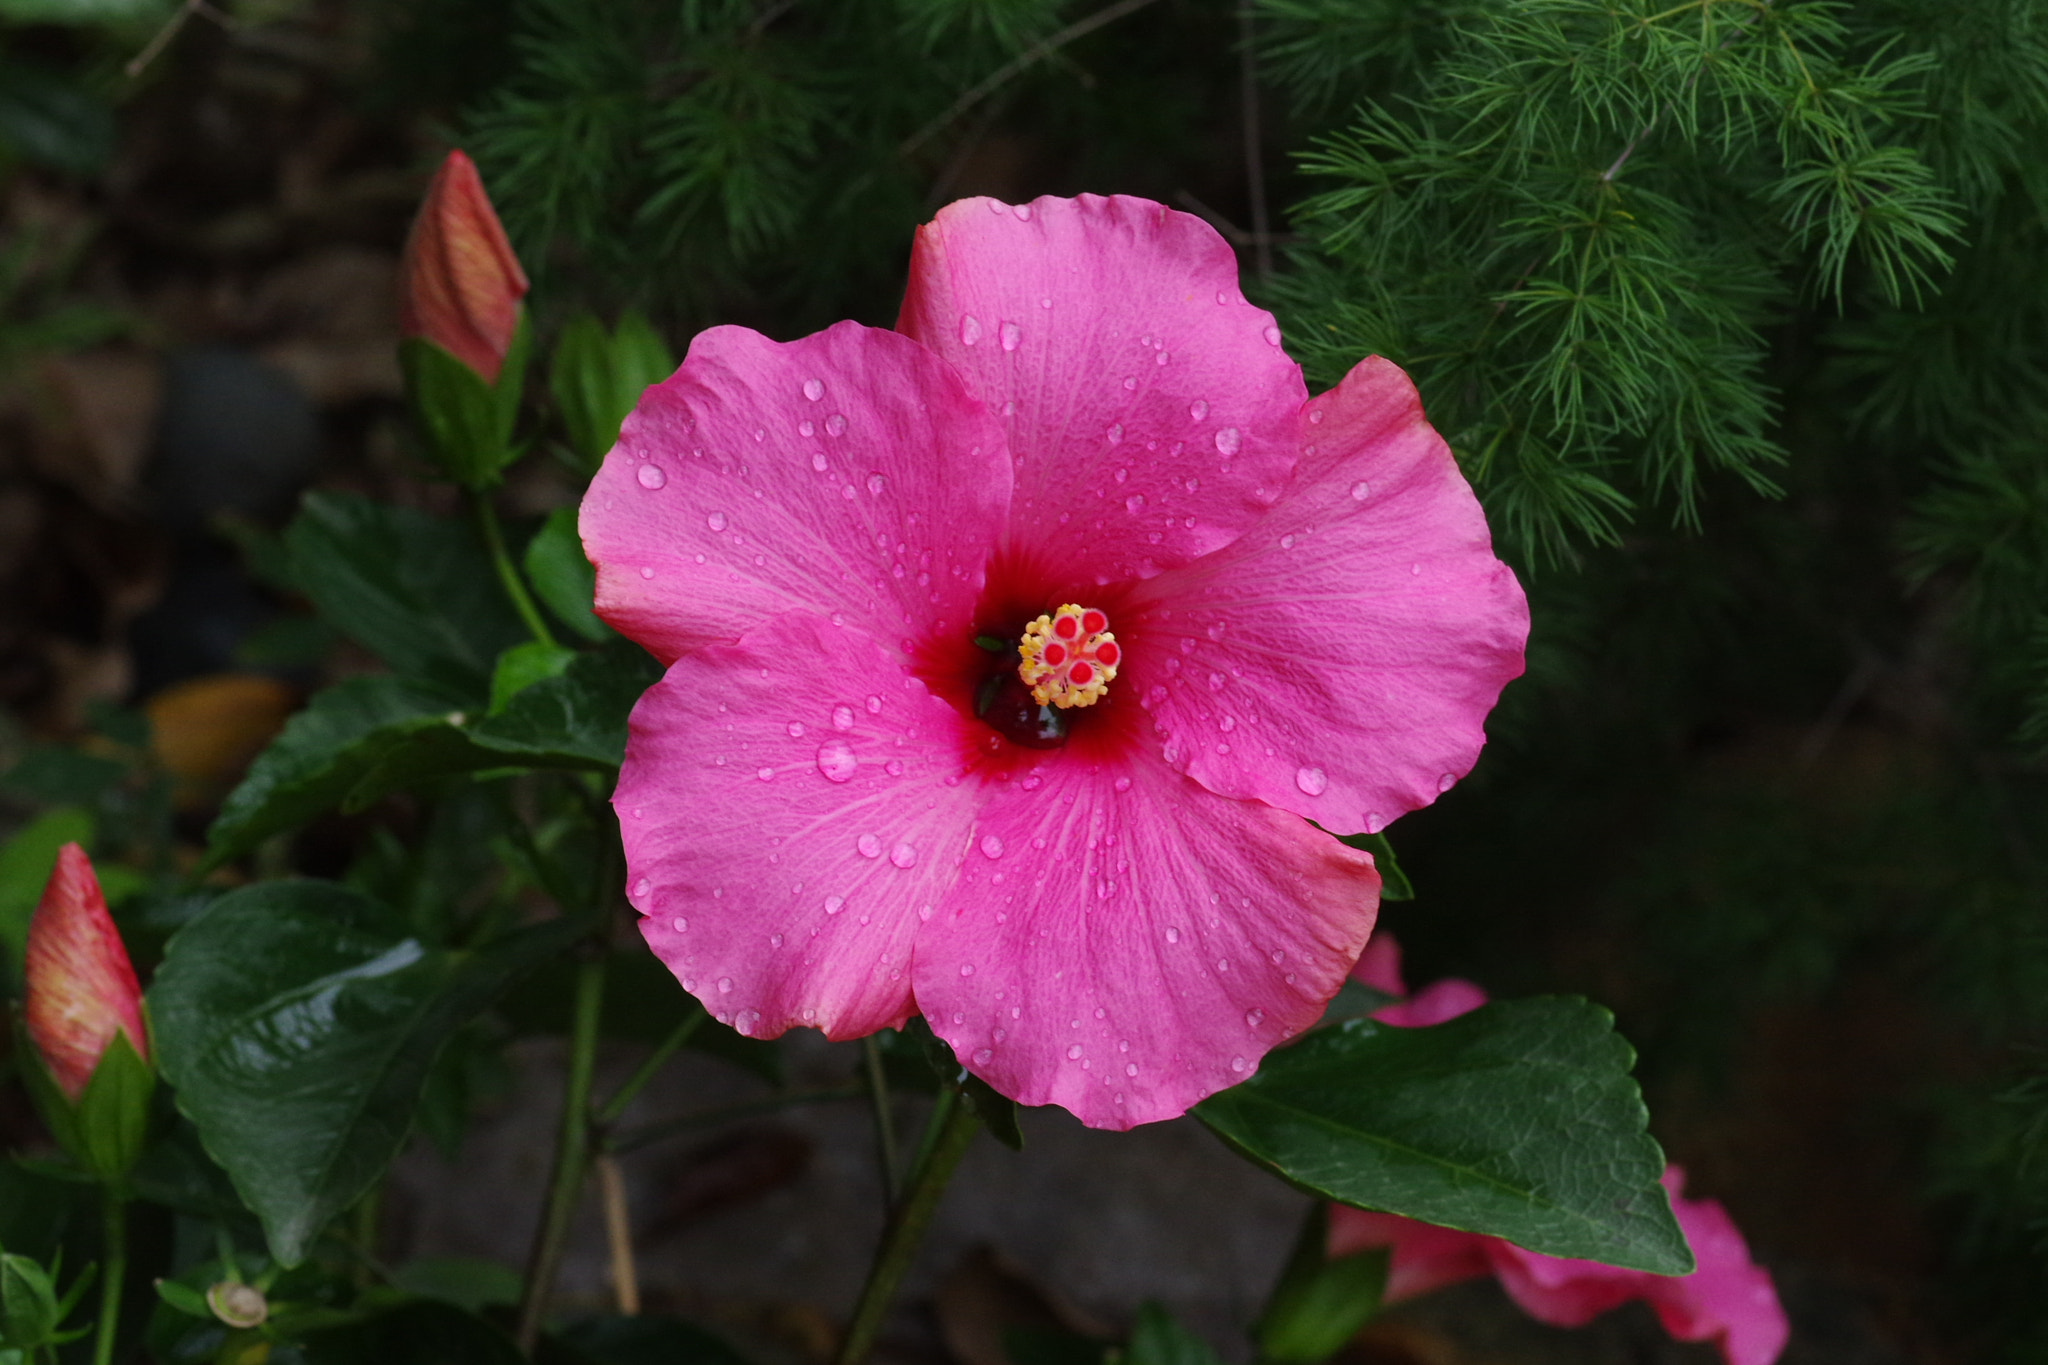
(462, 284)
(81, 987)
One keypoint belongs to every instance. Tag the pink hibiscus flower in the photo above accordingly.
(1008, 650)
(1729, 1300)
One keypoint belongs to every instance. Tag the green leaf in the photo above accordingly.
(1319, 1303)
(185, 1299)
(417, 591)
(26, 862)
(523, 665)
(466, 1281)
(562, 577)
(322, 754)
(28, 1303)
(1518, 1120)
(1394, 883)
(1156, 1339)
(598, 379)
(298, 1021)
(576, 719)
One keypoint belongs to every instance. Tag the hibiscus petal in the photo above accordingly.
(1123, 943)
(1340, 659)
(1150, 409)
(849, 473)
(1730, 1299)
(788, 822)
(1425, 1257)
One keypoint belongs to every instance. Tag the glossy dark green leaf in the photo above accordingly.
(577, 718)
(523, 665)
(298, 1021)
(418, 591)
(322, 754)
(562, 577)
(1519, 1120)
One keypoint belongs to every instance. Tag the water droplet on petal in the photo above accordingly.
(874, 705)
(970, 329)
(894, 767)
(1134, 502)
(834, 904)
(1074, 1053)
(903, 855)
(842, 717)
(835, 425)
(991, 846)
(836, 760)
(1122, 784)
(1115, 432)
(1253, 1018)
(869, 846)
(1199, 409)
(1361, 490)
(1272, 335)
(1023, 212)
(876, 483)
(814, 389)
(1312, 781)
(774, 940)
(651, 477)
(1446, 782)
(1315, 417)
(1237, 1063)
(1010, 334)
(765, 774)
(641, 886)
(965, 970)
(1228, 439)
(680, 924)
(796, 729)
(725, 985)
(716, 521)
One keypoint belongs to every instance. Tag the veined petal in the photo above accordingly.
(1123, 943)
(1149, 408)
(789, 822)
(80, 986)
(1339, 660)
(849, 474)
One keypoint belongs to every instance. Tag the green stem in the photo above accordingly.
(113, 1274)
(635, 1083)
(572, 1152)
(953, 1129)
(508, 573)
(885, 1117)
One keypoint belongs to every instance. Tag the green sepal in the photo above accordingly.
(524, 665)
(466, 421)
(1319, 1303)
(113, 1113)
(598, 379)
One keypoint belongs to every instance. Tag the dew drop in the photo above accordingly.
(796, 729)
(1122, 784)
(1134, 503)
(765, 774)
(716, 521)
(834, 904)
(876, 483)
(1272, 335)
(1010, 334)
(874, 704)
(1237, 1063)
(1130, 381)
(1312, 781)
(1253, 1018)
(1172, 934)
(651, 477)
(1199, 409)
(903, 855)
(970, 329)
(835, 425)
(1287, 542)
(966, 970)
(814, 389)
(725, 985)
(1074, 1053)
(649, 573)
(991, 846)
(774, 940)
(1115, 432)
(869, 846)
(1315, 417)
(1228, 440)
(842, 717)
(1361, 490)
(641, 887)
(1446, 782)
(894, 767)
(679, 923)
(1162, 357)
(836, 760)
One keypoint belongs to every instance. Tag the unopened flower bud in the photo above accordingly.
(461, 285)
(81, 987)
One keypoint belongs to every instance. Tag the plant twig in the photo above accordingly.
(618, 1235)
(572, 1153)
(113, 1274)
(162, 39)
(508, 573)
(885, 1116)
(1029, 57)
(946, 1141)
(624, 1096)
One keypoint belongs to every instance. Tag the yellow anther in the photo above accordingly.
(1069, 658)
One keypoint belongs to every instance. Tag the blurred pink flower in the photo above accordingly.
(80, 988)
(460, 285)
(1728, 1300)
(844, 803)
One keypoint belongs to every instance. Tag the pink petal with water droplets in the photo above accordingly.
(758, 802)
(1100, 321)
(877, 501)
(1342, 656)
(1144, 948)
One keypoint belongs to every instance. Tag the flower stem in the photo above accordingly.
(113, 1275)
(572, 1152)
(952, 1129)
(624, 1096)
(885, 1117)
(508, 573)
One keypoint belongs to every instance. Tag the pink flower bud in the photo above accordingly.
(81, 988)
(462, 284)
